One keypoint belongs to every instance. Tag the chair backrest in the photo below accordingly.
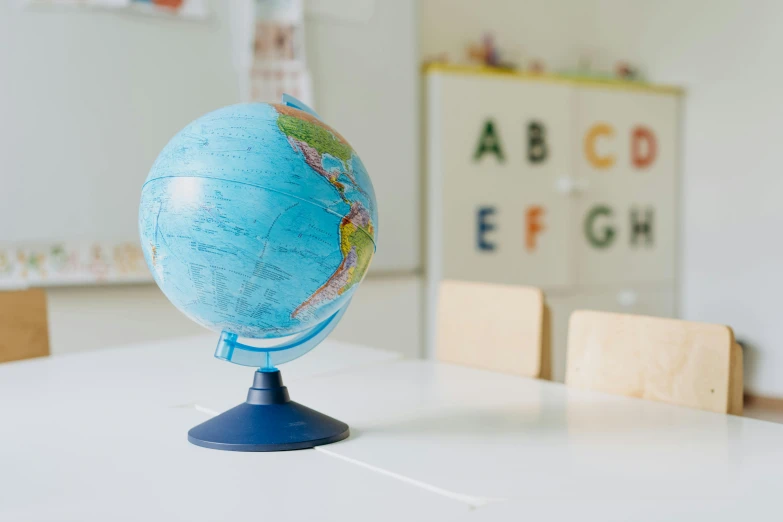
(504, 328)
(680, 362)
(24, 329)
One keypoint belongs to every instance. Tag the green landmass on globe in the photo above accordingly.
(313, 138)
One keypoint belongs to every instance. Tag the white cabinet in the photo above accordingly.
(568, 185)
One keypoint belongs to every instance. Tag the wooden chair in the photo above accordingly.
(680, 362)
(504, 328)
(24, 330)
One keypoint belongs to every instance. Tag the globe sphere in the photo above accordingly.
(258, 219)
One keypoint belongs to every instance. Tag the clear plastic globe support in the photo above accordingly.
(259, 221)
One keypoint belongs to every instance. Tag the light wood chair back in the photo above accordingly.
(24, 329)
(680, 362)
(503, 328)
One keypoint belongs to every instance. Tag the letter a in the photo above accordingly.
(489, 142)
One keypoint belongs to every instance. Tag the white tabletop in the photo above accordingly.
(102, 436)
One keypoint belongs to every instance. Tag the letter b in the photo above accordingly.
(537, 150)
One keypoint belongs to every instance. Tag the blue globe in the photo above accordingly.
(259, 220)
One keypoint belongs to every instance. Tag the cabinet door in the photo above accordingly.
(626, 154)
(499, 144)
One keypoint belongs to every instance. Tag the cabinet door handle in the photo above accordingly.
(569, 185)
(627, 298)
(581, 185)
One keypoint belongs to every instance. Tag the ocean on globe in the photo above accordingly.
(258, 219)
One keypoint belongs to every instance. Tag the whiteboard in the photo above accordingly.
(87, 100)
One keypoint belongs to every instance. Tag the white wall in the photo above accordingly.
(726, 54)
(551, 31)
(88, 97)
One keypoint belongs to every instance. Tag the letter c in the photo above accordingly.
(599, 129)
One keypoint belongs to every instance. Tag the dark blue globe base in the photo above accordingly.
(268, 421)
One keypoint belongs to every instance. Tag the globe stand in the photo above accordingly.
(268, 421)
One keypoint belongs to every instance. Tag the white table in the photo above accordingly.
(102, 436)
